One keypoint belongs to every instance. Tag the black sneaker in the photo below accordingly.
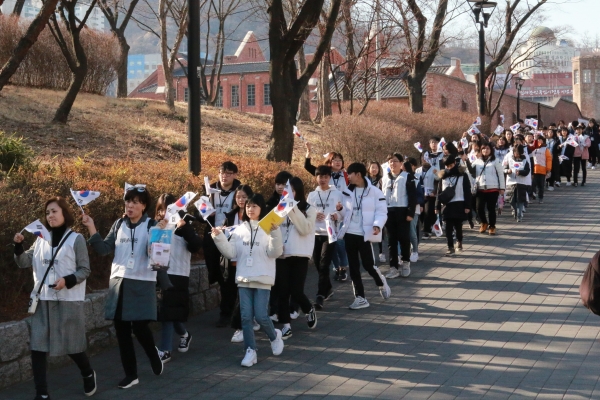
(156, 362)
(426, 236)
(89, 384)
(449, 253)
(336, 277)
(286, 333)
(319, 302)
(343, 275)
(223, 321)
(165, 356)
(329, 294)
(128, 382)
(311, 319)
(184, 343)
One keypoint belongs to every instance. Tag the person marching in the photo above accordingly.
(256, 252)
(552, 143)
(411, 166)
(489, 180)
(366, 214)
(131, 299)
(454, 193)
(327, 201)
(426, 172)
(222, 201)
(401, 198)
(173, 306)
(594, 134)
(566, 151)
(581, 154)
(542, 160)
(291, 268)
(60, 269)
(517, 169)
(374, 174)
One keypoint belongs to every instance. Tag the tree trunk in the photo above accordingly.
(305, 98)
(285, 106)
(77, 78)
(18, 7)
(414, 83)
(122, 89)
(324, 80)
(37, 26)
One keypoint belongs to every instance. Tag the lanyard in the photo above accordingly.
(222, 202)
(252, 239)
(132, 239)
(359, 205)
(326, 200)
(336, 177)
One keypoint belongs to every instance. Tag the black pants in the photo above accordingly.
(398, 229)
(454, 224)
(322, 254)
(39, 365)
(212, 257)
(290, 277)
(578, 162)
(428, 214)
(487, 201)
(144, 336)
(539, 184)
(357, 247)
(593, 150)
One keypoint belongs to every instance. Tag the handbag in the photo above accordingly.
(34, 299)
(448, 193)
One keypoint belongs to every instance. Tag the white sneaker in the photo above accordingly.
(557, 184)
(359, 302)
(414, 257)
(568, 184)
(381, 257)
(394, 273)
(551, 188)
(256, 326)
(277, 344)
(250, 358)
(294, 315)
(274, 318)
(593, 167)
(405, 269)
(385, 290)
(238, 336)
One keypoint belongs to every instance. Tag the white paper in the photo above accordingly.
(159, 254)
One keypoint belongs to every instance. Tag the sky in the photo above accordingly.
(579, 15)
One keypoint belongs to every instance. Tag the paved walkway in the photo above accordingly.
(502, 320)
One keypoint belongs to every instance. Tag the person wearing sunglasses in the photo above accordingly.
(131, 300)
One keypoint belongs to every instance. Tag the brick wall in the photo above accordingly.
(587, 94)
(460, 95)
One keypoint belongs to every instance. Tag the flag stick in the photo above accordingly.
(209, 224)
(83, 212)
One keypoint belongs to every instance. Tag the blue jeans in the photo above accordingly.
(414, 233)
(340, 258)
(254, 305)
(166, 337)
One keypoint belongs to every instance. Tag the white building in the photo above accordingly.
(544, 54)
(31, 8)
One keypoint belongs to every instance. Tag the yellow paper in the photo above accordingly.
(270, 219)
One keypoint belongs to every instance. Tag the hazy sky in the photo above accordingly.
(579, 16)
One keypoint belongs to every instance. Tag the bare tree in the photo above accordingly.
(37, 26)
(112, 10)
(422, 42)
(71, 47)
(286, 84)
(304, 114)
(18, 9)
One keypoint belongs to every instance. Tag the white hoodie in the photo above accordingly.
(373, 209)
(266, 248)
(325, 201)
(298, 233)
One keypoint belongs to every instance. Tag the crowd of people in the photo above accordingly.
(339, 221)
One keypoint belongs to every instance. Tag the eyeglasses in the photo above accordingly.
(224, 173)
(393, 161)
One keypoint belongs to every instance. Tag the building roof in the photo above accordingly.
(543, 32)
(148, 89)
(229, 69)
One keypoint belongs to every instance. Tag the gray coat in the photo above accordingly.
(138, 298)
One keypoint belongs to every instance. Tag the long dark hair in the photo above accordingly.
(246, 189)
(298, 186)
(490, 145)
(259, 200)
(165, 200)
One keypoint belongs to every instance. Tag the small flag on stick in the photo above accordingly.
(38, 229)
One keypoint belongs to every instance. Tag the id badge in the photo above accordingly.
(130, 262)
(249, 261)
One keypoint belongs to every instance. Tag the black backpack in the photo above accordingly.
(589, 289)
(448, 193)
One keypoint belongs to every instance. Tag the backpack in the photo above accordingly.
(589, 289)
(448, 193)
(120, 222)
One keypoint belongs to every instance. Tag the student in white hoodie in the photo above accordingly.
(401, 197)
(327, 201)
(298, 243)
(366, 214)
(256, 252)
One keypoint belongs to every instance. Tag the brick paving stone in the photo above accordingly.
(503, 320)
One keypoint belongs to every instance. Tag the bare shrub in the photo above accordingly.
(45, 66)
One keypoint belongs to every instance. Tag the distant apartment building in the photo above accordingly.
(140, 67)
(31, 8)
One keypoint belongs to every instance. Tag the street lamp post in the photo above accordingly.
(194, 165)
(519, 84)
(482, 9)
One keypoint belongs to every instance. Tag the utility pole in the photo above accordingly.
(377, 55)
(194, 117)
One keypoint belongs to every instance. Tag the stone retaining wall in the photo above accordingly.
(15, 361)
